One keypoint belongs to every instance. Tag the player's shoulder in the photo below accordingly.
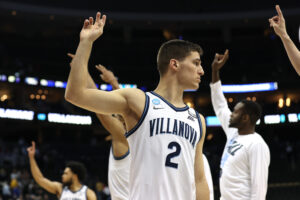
(258, 138)
(258, 142)
(132, 93)
(91, 195)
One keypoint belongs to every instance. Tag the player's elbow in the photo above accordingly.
(68, 96)
(71, 96)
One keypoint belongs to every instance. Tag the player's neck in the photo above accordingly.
(171, 92)
(246, 130)
(75, 186)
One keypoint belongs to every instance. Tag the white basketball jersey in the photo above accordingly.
(118, 176)
(163, 146)
(67, 194)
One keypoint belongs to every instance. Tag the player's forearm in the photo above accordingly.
(77, 80)
(215, 75)
(202, 190)
(259, 189)
(257, 194)
(220, 105)
(292, 52)
(217, 97)
(35, 171)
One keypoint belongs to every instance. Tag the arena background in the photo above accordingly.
(35, 37)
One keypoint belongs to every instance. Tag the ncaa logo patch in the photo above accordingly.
(156, 101)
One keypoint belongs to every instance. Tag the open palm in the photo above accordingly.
(90, 30)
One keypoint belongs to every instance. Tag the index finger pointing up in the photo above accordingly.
(278, 11)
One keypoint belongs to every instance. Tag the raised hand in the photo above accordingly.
(31, 150)
(278, 23)
(107, 75)
(220, 60)
(92, 31)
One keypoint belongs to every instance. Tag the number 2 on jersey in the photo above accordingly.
(176, 153)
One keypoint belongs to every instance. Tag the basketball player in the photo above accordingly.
(118, 170)
(165, 136)
(278, 23)
(119, 157)
(246, 156)
(71, 186)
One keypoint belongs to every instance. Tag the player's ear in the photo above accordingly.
(245, 117)
(174, 64)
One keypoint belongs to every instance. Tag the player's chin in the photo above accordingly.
(193, 87)
(232, 125)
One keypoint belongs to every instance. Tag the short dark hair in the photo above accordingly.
(78, 169)
(174, 49)
(252, 109)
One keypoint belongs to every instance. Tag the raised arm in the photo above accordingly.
(51, 186)
(77, 92)
(90, 82)
(114, 125)
(202, 190)
(217, 97)
(278, 23)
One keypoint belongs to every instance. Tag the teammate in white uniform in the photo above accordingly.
(180, 68)
(278, 23)
(80, 194)
(119, 156)
(71, 186)
(246, 157)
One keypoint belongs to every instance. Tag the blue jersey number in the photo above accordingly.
(173, 154)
